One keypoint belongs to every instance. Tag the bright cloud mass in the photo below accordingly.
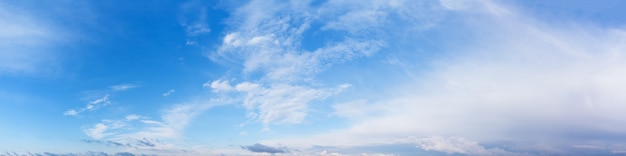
(313, 77)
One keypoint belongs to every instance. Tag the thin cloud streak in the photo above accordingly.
(171, 91)
(91, 106)
(123, 87)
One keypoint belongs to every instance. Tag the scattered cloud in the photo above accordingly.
(278, 103)
(267, 41)
(142, 134)
(171, 91)
(260, 148)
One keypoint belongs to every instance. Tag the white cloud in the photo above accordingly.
(271, 45)
(101, 130)
(100, 102)
(142, 134)
(70, 112)
(122, 87)
(91, 106)
(132, 117)
(197, 29)
(509, 78)
(98, 131)
(104, 100)
(458, 145)
(277, 103)
(27, 42)
(169, 92)
(219, 85)
(267, 41)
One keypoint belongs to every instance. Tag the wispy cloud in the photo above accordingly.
(98, 103)
(142, 134)
(278, 103)
(193, 17)
(513, 78)
(91, 106)
(123, 87)
(171, 91)
(267, 40)
(27, 42)
(103, 128)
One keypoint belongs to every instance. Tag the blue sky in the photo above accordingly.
(313, 77)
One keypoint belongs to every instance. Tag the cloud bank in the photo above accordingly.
(507, 77)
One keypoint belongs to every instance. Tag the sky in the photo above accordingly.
(313, 77)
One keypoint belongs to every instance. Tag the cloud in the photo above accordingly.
(91, 106)
(267, 38)
(277, 103)
(70, 112)
(102, 129)
(98, 131)
(503, 77)
(271, 45)
(355, 109)
(27, 42)
(458, 145)
(219, 85)
(132, 117)
(100, 102)
(193, 17)
(90, 153)
(169, 92)
(122, 87)
(146, 142)
(144, 135)
(107, 143)
(260, 148)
